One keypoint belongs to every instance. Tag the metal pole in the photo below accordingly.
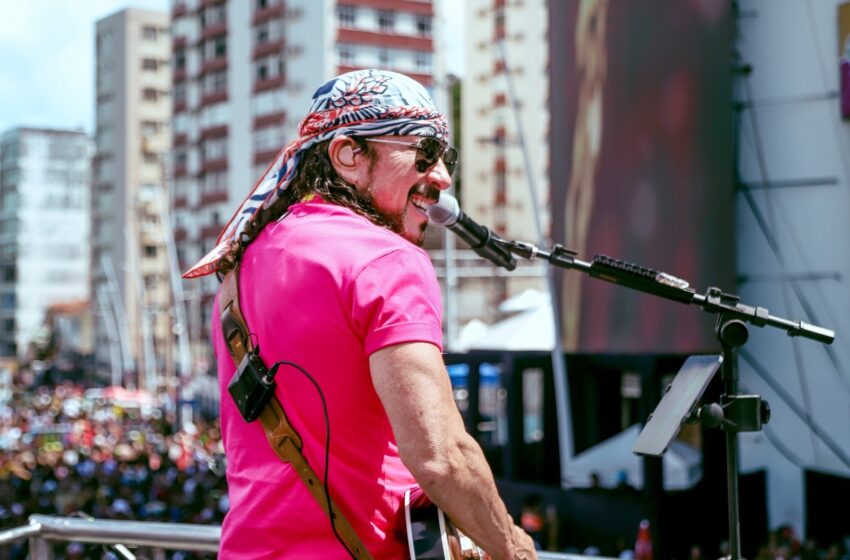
(449, 254)
(180, 324)
(559, 364)
(144, 321)
(114, 350)
(117, 300)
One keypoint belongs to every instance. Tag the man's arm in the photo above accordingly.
(448, 463)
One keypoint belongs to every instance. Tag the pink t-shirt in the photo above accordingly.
(323, 288)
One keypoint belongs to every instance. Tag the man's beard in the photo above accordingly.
(394, 221)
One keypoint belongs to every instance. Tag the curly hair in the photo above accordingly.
(315, 175)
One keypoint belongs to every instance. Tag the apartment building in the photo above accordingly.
(130, 275)
(504, 104)
(243, 75)
(44, 230)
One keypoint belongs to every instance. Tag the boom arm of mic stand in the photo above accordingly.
(714, 301)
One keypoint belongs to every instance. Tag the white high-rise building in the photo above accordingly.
(130, 282)
(506, 81)
(44, 229)
(244, 73)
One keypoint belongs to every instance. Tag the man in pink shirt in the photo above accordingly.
(333, 282)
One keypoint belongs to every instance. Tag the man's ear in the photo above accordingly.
(347, 158)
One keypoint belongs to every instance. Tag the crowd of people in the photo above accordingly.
(65, 452)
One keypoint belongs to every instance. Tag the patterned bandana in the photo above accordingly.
(361, 103)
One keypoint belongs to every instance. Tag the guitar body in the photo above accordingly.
(431, 536)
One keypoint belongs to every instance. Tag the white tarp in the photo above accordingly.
(613, 458)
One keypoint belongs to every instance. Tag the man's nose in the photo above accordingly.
(439, 176)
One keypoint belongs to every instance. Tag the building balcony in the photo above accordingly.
(267, 84)
(265, 156)
(181, 202)
(274, 11)
(205, 3)
(180, 139)
(178, 43)
(410, 6)
(270, 47)
(214, 97)
(180, 234)
(210, 232)
(179, 75)
(213, 64)
(219, 164)
(178, 10)
(213, 30)
(180, 170)
(213, 197)
(386, 40)
(270, 119)
(219, 131)
(179, 107)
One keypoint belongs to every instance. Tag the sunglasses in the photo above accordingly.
(428, 151)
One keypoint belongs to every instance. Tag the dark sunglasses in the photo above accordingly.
(428, 151)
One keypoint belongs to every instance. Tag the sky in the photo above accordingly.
(47, 58)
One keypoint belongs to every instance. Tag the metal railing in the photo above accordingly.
(45, 530)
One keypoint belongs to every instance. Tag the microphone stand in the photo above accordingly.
(736, 413)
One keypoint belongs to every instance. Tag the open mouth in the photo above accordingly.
(421, 204)
(421, 201)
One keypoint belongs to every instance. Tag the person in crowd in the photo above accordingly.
(336, 291)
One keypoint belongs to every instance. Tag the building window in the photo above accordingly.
(213, 15)
(347, 16)
(384, 58)
(346, 55)
(180, 59)
(216, 81)
(214, 149)
(180, 93)
(220, 46)
(149, 33)
(386, 21)
(149, 64)
(269, 67)
(422, 61)
(214, 48)
(214, 182)
(423, 26)
(150, 251)
(151, 94)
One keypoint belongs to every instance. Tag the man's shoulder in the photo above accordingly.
(343, 228)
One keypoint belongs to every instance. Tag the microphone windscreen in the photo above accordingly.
(445, 211)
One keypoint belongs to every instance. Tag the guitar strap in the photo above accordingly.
(282, 437)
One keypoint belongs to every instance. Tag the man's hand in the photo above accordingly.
(524, 545)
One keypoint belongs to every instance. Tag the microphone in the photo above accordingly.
(447, 213)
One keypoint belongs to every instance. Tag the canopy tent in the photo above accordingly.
(613, 460)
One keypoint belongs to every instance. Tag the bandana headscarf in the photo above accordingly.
(361, 103)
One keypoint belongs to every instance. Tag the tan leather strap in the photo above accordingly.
(283, 438)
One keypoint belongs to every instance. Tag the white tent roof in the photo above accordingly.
(532, 329)
(681, 462)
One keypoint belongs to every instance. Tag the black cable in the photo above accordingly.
(325, 483)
